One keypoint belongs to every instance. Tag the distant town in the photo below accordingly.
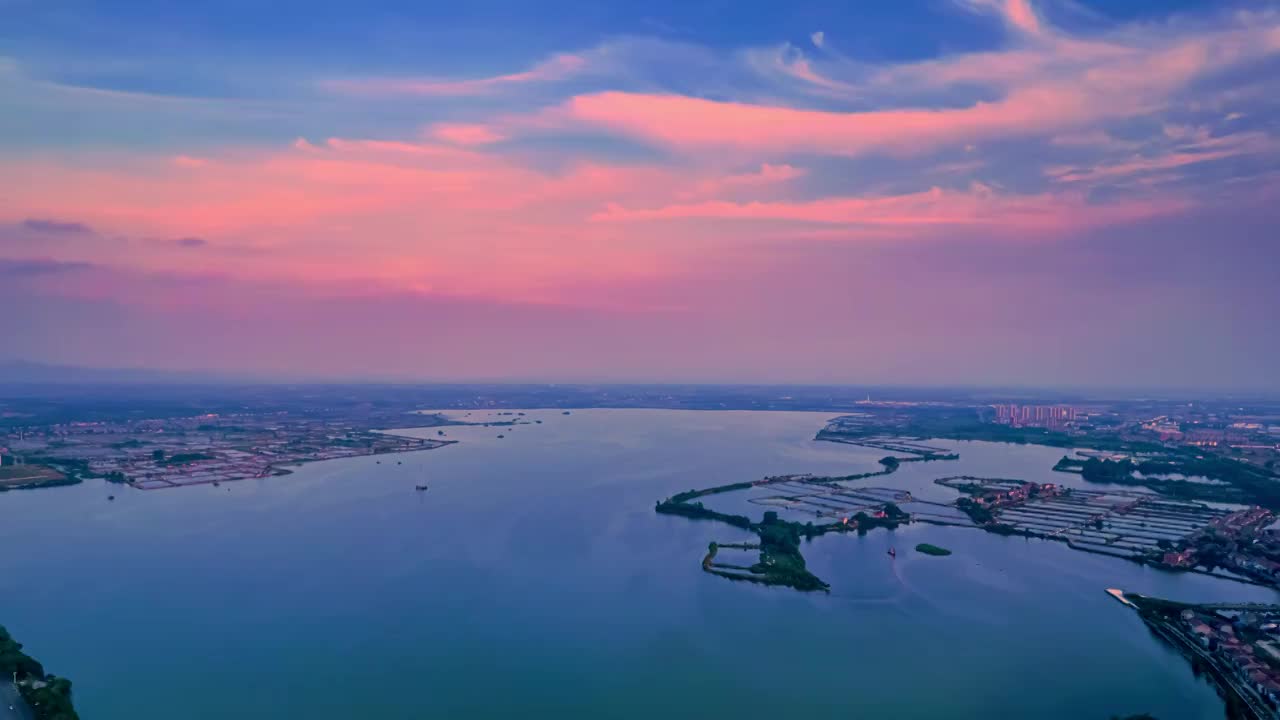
(154, 454)
(1148, 528)
(1163, 469)
(213, 435)
(1236, 644)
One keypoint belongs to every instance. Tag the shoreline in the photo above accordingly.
(1092, 551)
(285, 469)
(685, 505)
(1242, 702)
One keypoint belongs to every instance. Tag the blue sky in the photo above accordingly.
(1015, 183)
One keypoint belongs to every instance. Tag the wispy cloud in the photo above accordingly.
(189, 162)
(465, 133)
(935, 208)
(558, 67)
(1018, 14)
(56, 227)
(1200, 148)
(30, 268)
(686, 122)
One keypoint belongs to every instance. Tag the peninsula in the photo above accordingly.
(840, 507)
(1237, 645)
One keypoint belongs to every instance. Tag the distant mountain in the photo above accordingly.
(22, 372)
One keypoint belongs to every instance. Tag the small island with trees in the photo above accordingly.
(928, 549)
(780, 561)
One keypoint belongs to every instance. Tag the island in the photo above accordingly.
(839, 507)
(928, 549)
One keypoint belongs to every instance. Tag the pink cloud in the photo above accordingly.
(1019, 14)
(1022, 16)
(465, 134)
(800, 68)
(1055, 86)
(448, 211)
(682, 121)
(766, 174)
(410, 215)
(762, 180)
(414, 215)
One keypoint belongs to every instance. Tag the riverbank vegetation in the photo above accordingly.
(1155, 465)
(967, 423)
(980, 514)
(696, 511)
(1236, 481)
(780, 558)
(49, 696)
(780, 561)
(183, 458)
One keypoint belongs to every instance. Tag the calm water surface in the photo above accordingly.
(534, 578)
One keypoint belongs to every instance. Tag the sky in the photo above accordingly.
(979, 192)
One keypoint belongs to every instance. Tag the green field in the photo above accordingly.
(23, 474)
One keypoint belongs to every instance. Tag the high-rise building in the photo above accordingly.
(1035, 415)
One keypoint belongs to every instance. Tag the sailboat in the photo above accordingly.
(420, 488)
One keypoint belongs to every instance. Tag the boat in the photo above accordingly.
(419, 488)
(893, 552)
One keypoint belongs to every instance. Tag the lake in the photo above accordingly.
(535, 579)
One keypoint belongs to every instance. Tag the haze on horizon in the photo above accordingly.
(980, 192)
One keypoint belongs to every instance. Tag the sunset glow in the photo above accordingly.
(1002, 197)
